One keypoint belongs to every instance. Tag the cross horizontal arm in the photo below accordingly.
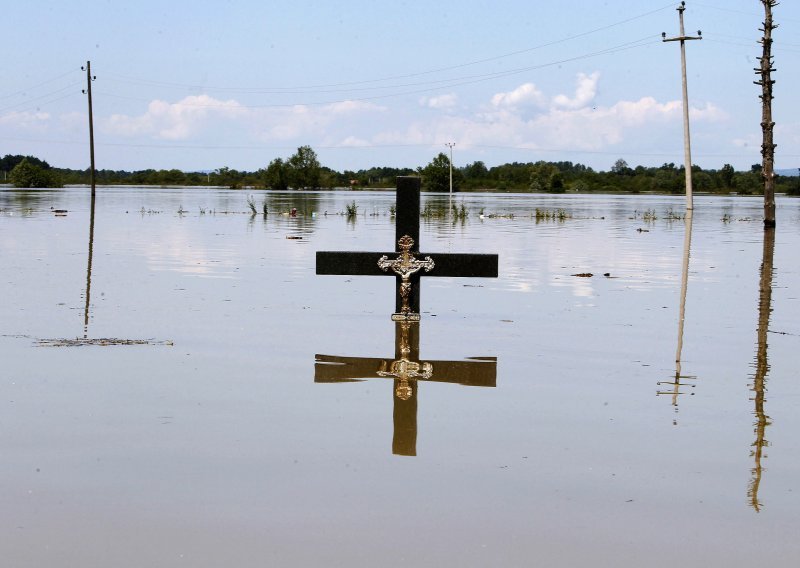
(446, 265)
(352, 263)
(462, 265)
(336, 369)
(474, 372)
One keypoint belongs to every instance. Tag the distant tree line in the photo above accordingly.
(29, 171)
(302, 170)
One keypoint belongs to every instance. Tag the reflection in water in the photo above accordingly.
(676, 383)
(89, 269)
(759, 386)
(406, 370)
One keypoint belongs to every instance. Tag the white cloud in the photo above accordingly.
(174, 121)
(709, 113)
(563, 122)
(524, 95)
(195, 115)
(25, 119)
(350, 107)
(442, 102)
(354, 142)
(584, 93)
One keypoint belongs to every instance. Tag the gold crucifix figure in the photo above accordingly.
(404, 369)
(405, 266)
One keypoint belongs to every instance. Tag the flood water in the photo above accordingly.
(204, 434)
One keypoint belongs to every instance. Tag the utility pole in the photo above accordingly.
(767, 144)
(88, 93)
(450, 145)
(687, 146)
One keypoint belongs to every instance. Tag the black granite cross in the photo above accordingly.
(406, 370)
(407, 268)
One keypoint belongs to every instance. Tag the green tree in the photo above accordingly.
(475, 170)
(228, 177)
(436, 175)
(543, 175)
(9, 162)
(26, 174)
(701, 181)
(556, 182)
(621, 168)
(303, 169)
(667, 180)
(726, 176)
(747, 183)
(274, 176)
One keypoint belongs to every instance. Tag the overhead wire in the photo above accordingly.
(734, 11)
(357, 86)
(439, 84)
(295, 89)
(26, 102)
(45, 82)
(361, 86)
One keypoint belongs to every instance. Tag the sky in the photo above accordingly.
(199, 85)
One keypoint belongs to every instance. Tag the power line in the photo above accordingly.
(446, 84)
(45, 82)
(296, 89)
(40, 97)
(753, 14)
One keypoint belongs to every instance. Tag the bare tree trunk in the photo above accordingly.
(767, 145)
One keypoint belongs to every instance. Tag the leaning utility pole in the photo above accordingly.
(687, 147)
(767, 145)
(88, 93)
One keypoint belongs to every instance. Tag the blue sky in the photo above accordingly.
(201, 85)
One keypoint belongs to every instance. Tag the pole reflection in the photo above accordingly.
(759, 385)
(89, 269)
(680, 380)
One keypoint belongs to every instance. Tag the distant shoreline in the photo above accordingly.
(370, 189)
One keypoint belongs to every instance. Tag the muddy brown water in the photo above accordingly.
(180, 422)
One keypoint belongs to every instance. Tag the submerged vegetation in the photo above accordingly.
(551, 215)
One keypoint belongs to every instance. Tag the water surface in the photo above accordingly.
(214, 444)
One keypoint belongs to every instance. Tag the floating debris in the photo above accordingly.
(101, 341)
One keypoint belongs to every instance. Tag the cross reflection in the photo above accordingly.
(406, 371)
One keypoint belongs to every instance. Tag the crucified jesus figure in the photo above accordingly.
(405, 266)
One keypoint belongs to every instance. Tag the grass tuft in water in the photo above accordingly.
(460, 212)
(671, 215)
(551, 214)
(431, 211)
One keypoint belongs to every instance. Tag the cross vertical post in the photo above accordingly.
(407, 268)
